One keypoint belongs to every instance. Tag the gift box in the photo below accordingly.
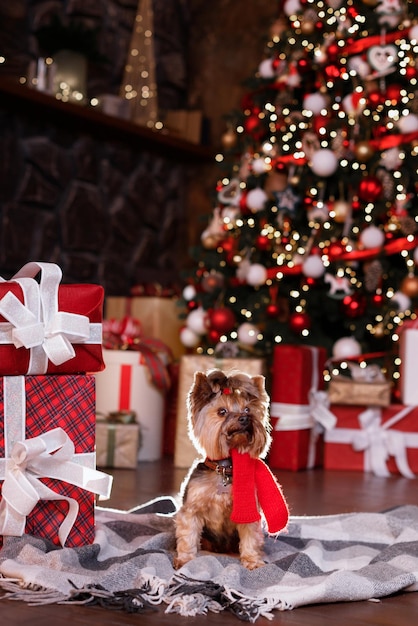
(49, 328)
(160, 318)
(299, 407)
(372, 439)
(126, 385)
(408, 351)
(184, 451)
(343, 390)
(47, 458)
(118, 438)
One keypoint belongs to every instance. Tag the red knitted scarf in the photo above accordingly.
(253, 481)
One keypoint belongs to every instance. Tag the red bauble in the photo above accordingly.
(272, 310)
(192, 305)
(378, 299)
(370, 189)
(213, 335)
(374, 98)
(393, 93)
(332, 72)
(354, 306)
(262, 242)
(222, 320)
(336, 249)
(299, 322)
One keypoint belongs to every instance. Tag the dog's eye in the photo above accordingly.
(246, 410)
(222, 412)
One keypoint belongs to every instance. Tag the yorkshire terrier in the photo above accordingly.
(223, 494)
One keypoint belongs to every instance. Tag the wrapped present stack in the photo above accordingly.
(299, 410)
(134, 382)
(374, 432)
(50, 345)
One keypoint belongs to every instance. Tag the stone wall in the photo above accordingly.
(108, 210)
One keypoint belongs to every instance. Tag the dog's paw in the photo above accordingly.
(179, 561)
(251, 562)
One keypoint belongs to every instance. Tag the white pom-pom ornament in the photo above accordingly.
(324, 162)
(189, 292)
(266, 69)
(247, 334)
(256, 275)
(313, 266)
(402, 300)
(189, 338)
(259, 166)
(256, 199)
(372, 237)
(408, 123)
(292, 7)
(413, 33)
(196, 321)
(345, 348)
(314, 102)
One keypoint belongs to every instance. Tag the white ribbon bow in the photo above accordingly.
(380, 442)
(37, 324)
(48, 455)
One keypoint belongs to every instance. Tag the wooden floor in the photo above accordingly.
(313, 492)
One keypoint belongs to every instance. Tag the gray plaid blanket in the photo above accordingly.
(347, 557)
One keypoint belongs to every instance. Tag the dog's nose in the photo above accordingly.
(243, 419)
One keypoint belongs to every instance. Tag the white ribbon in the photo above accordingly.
(378, 442)
(51, 455)
(315, 415)
(37, 324)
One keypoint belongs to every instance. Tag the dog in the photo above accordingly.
(222, 495)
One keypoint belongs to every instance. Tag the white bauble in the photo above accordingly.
(189, 292)
(408, 123)
(189, 338)
(324, 162)
(345, 348)
(402, 300)
(292, 7)
(196, 321)
(313, 266)
(413, 33)
(247, 334)
(359, 65)
(372, 237)
(315, 102)
(256, 275)
(259, 166)
(256, 199)
(266, 69)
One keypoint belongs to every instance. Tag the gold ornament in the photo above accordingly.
(229, 139)
(210, 242)
(342, 209)
(409, 286)
(307, 27)
(378, 331)
(363, 151)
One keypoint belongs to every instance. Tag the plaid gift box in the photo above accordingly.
(48, 328)
(47, 459)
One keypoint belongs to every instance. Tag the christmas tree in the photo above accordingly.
(314, 232)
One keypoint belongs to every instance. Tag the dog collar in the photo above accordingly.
(223, 467)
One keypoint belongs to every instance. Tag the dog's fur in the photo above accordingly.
(220, 420)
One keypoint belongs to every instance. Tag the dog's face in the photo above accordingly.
(229, 412)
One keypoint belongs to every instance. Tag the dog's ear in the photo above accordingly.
(260, 383)
(200, 392)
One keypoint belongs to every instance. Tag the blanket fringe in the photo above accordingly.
(190, 597)
(33, 595)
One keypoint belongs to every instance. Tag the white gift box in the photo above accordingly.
(409, 364)
(126, 385)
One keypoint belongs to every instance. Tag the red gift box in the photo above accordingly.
(47, 458)
(372, 439)
(49, 328)
(298, 410)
